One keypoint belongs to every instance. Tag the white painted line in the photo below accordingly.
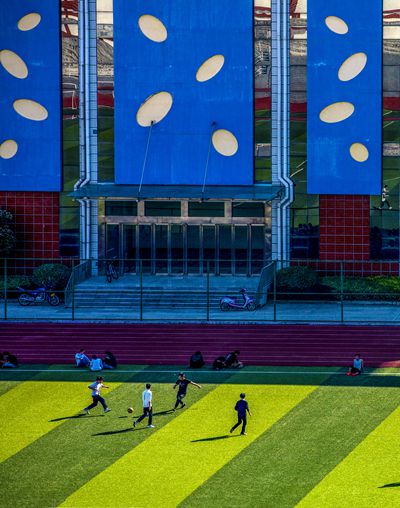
(144, 371)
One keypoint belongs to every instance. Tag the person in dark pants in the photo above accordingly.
(147, 398)
(242, 408)
(11, 361)
(357, 366)
(109, 362)
(385, 198)
(182, 383)
(96, 388)
(196, 361)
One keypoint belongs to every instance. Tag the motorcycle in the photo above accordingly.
(39, 295)
(231, 302)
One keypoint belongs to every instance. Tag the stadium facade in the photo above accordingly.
(186, 133)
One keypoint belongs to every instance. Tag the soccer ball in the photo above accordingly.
(130, 409)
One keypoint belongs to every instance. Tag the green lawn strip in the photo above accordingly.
(69, 456)
(368, 476)
(33, 408)
(286, 462)
(174, 461)
(19, 375)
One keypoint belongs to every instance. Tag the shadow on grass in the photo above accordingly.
(74, 417)
(216, 438)
(121, 431)
(390, 485)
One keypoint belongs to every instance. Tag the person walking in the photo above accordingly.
(96, 388)
(147, 398)
(182, 383)
(242, 408)
(385, 198)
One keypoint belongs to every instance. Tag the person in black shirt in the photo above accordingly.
(182, 384)
(196, 360)
(109, 362)
(232, 360)
(11, 361)
(242, 409)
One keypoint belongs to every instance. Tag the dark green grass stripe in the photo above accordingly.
(9, 379)
(287, 461)
(49, 470)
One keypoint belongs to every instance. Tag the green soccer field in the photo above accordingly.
(316, 439)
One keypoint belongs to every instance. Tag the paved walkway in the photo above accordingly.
(311, 312)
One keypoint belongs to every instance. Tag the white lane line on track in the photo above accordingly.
(271, 372)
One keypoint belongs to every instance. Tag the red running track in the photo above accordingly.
(302, 345)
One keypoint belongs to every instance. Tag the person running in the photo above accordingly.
(96, 388)
(182, 383)
(147, 398)
(242, 408)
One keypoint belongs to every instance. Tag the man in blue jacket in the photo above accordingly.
(242, 408)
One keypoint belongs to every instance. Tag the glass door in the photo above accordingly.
(257, 248)
(129, 250)
(209, 250)
(161, 248)
(193, 249)
(225, 249)
(176, 249)
(145, 247)
(112, 241)
(241, 248)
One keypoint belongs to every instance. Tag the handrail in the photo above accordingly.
(265, 282)
(79, 274)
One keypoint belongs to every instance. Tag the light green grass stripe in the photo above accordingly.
(368, 476)
(289, 460)
(169, 464)
(27, 411)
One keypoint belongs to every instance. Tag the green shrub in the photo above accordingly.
(7, 235)
(15, 282)
(51, 275)
(296, 278)
(365, 288)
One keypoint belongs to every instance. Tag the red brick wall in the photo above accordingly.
(344, 228)
(36, 216)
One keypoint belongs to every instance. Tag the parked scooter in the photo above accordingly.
(231, 302)
(39, 295)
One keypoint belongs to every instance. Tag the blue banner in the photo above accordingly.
(203, 114)
(30, 98)
(344, 97)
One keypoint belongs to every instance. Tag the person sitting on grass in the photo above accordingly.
(357, 367)
(109, 362)
(96, 364)
(232, 360)
(196, 360)
(81, 359)
(11, 361)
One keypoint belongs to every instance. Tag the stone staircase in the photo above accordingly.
(158, 292)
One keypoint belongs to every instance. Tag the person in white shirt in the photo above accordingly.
(96, 364)
(96, 387)
(147, 398)
(357, 366)
(81, 359)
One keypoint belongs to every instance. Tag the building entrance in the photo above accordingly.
(188, 249)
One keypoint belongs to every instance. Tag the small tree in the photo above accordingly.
(7, 235)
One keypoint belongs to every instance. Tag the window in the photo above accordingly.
(121, 208)
(163, 208)
(248, 209)
(206, 209)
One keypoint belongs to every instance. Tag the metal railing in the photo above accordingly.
(301, 291)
